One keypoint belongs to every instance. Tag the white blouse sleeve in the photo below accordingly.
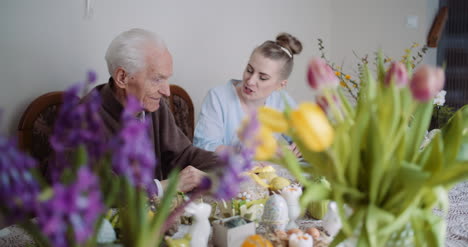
(209, 132)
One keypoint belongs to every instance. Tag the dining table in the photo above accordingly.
(456, 218)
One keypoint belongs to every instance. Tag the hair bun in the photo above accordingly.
(289, 42)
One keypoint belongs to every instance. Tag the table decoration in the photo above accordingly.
(88, 175)
(231, 232)
(371, 152)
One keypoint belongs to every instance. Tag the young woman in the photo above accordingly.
(262, 84)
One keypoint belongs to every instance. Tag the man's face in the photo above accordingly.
(150, 84)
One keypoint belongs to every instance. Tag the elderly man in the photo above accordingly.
(140, 65)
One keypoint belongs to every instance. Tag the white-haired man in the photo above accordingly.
(140, 64)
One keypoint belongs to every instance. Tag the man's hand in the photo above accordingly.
(189, 178)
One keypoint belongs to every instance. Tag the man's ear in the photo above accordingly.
(120, 78)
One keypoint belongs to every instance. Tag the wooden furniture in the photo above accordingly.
(437, 27)
(36, 125)
(181, 106)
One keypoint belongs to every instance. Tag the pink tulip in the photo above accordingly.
(427, 81)
(397, 73)
(320, 75)
(324, 104)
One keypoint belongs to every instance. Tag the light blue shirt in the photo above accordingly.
(221, 115)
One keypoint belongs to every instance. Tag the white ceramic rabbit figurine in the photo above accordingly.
(331, 221)
(200, 228)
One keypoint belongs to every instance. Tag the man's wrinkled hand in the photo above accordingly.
(189, 178)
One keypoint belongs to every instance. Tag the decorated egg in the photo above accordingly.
(256, 241)
(275, 213)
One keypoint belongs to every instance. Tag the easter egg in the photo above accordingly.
(256, 241)
(275, 214)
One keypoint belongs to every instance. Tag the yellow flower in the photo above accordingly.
(407, 51)
(268, 145)
(343, 84)
(355, 85)
(312, 127)
(347, 77)
(272, 119)
(415, 45)
(337, 73)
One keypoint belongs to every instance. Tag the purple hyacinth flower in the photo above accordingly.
(76, 206)
(18, 188)
(236, 162)
(133, 152)
(249, 129)
(91, 77)
(78, 123)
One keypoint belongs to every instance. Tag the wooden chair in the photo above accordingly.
(36, 125)
(181, 106)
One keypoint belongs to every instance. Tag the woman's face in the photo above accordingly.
(261, 77)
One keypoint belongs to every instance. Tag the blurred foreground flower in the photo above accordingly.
(312, 127)
(371, 153)
(320, 75)
(18, 187)
(72, 208)
(427, 82)
(397, 74)
(133, 150)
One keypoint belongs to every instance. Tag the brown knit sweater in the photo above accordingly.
(171, 146)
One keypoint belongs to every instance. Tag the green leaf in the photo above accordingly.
(46, 194)
(356, 138)
(387, 180)
(165, 206)
(453, 134)
(429, 228)
(401, 218)
(435, 155)
(342, 146)
(350, 112)
(380, 66)
(449, 176)
(355, 219)
(373, 158)
(81, 156)
(369, 89)
(417, 130)
(289, 160)
(411, 179)
(375, 219)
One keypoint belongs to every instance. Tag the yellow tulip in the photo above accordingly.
(312, 127)
(267, 144)
(272, 119)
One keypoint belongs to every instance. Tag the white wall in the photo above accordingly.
(47, 45)
(365, 26)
